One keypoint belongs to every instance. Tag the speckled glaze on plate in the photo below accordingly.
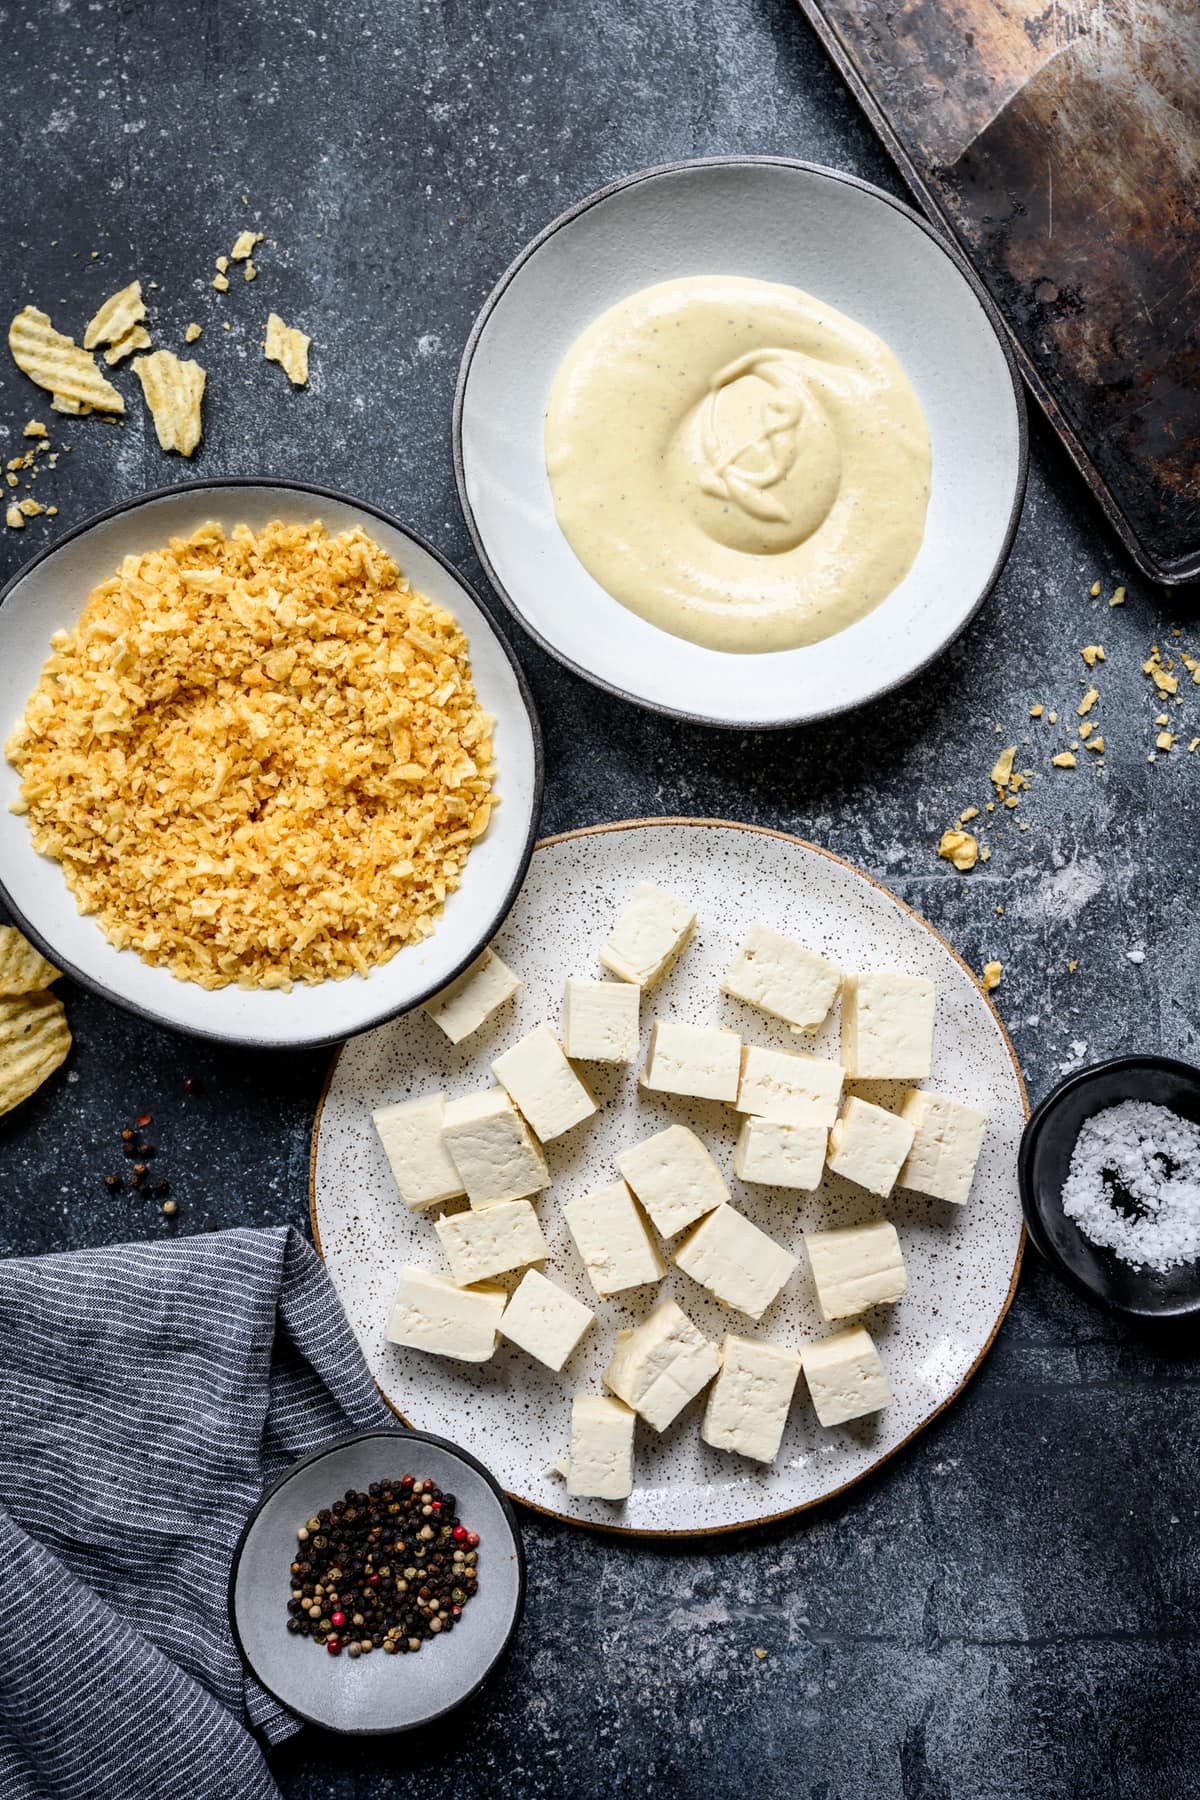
(962, 1261)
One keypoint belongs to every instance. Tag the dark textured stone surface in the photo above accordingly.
(1008, 1610)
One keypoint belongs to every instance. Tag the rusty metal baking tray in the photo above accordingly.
(1058, 143)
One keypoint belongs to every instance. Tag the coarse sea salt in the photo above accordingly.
(1134, 1184)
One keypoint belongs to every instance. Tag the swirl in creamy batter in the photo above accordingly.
(738, 463)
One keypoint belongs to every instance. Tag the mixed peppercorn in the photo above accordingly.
(385, 1570)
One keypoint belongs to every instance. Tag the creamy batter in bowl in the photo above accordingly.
(790, 228)
(737, 462)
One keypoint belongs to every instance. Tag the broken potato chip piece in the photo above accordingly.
(23, 970)
(117, 317)
(289, 348)
(244, 246)
(992, 972)
(57, 364)
(136, 338)
(173, 391)
(34, 1041)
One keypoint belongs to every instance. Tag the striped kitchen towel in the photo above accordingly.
(148, 1393)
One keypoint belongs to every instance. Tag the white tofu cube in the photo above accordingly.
(613, 1240)
(739, 1264)
(782, 978)
(545, 1321)
(887, 1027)
(948, 1137)
(431, 1313)
(600, 1020)
(783, 1085)
(599, 1463)
(491, 1241)
(778, 1155)
(868, 1144)
(856, 1266)
(493, 1149)
(473, 997)
(845, 1376)
(648, 936)
(411, 1135)
(748, 1402)
(661, 1365)
(674, 1177)
(542, 1083)
(700, 1061)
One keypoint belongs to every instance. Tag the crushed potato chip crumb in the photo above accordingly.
(960, 848)
(221, 283)
(259, 758)
(243, 246)
(1064, 760)
(289, 348)
(1003, 767)
(992, 971)
(969, 813)
(192, 333)
(14, 518)
(1118, 598)
(35, 429)
(1164, 740)
(1035, 712)
(1086, 704)
(1092, 654)
(1094, 590)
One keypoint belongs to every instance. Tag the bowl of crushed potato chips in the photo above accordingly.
(270, 773)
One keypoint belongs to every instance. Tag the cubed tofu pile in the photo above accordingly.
(669, 1197)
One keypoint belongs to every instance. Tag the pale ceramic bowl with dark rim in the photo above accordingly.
(49, 593)
(1150, 1295)
(836, 237)
(375, 1694)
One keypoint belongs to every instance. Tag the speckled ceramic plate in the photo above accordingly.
(48, 594)
(962, 1261)
(850, 244)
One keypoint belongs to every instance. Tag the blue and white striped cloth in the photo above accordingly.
(148, 1393)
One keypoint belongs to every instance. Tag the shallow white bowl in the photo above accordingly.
(834, 236)
(49, 593)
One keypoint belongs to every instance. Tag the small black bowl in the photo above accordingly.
(375, 1694)
(1045, 1159)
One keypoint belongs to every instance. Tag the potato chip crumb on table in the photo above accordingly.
(174, 391)
(1064, 760)
(192, 333)
(287, 346)
(259, 758)
(14, 518)
(959, 848)
(244, 245)
(992, 973)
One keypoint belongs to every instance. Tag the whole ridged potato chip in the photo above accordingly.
(57, 363)
(23, 970)
(34, 1040)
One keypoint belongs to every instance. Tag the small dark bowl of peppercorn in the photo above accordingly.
(378, 1583)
